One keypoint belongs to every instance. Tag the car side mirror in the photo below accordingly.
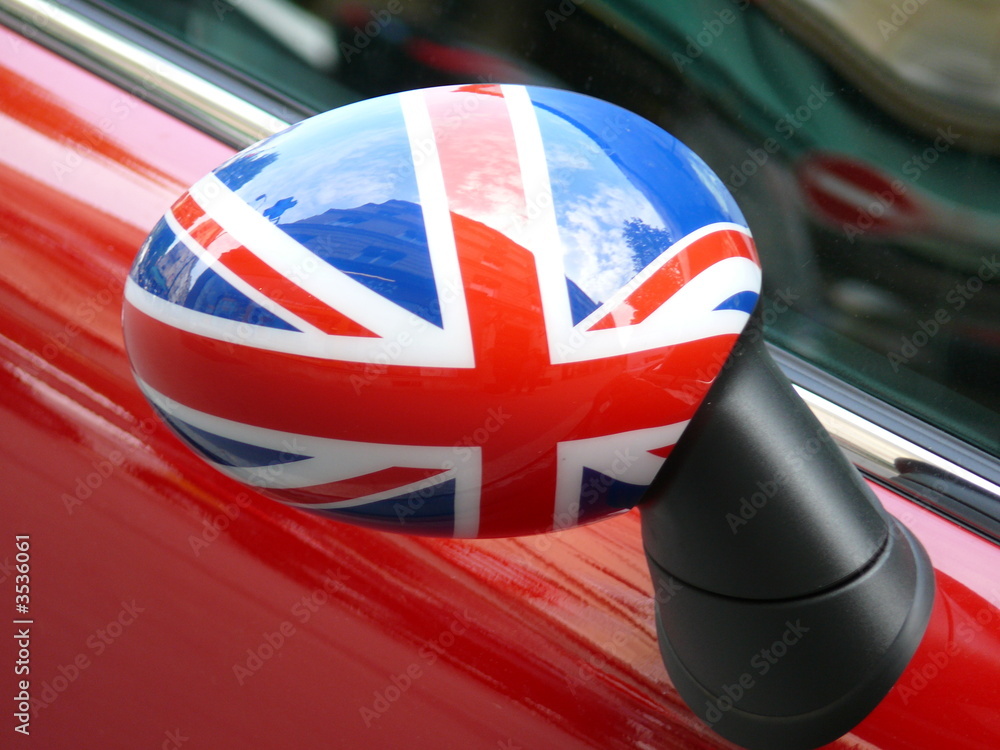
(493, 310)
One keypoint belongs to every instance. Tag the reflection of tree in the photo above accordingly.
(646, 242)
(241, 170)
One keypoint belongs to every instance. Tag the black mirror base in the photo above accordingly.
(796, 673)
(788, 601)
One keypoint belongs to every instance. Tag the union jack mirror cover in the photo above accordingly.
(480, 310)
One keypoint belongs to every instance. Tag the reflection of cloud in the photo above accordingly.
(341, 159)
(561, 156)
(594, 198)
(490, 189)
(597, 256)
(373, 169)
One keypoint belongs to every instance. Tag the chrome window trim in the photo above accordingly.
(876, 450)
(872, 448)
(183, 93)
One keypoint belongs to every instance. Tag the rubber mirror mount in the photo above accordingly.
(787, 601)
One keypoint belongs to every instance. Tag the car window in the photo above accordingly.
(859, 137)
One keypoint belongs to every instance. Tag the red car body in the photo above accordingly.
(167, 607)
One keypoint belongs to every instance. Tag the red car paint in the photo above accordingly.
(169, 608)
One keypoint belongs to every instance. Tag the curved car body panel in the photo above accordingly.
(167, 605)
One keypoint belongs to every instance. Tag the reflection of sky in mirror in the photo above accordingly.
(489, 188)
(611, 170)
(593, 200)
(718, 190)
(341, 159)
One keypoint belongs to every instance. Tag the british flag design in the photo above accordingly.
(468, 311)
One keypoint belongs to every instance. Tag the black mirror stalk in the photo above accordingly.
(788, 602)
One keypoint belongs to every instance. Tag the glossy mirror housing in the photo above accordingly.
(480, 310)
